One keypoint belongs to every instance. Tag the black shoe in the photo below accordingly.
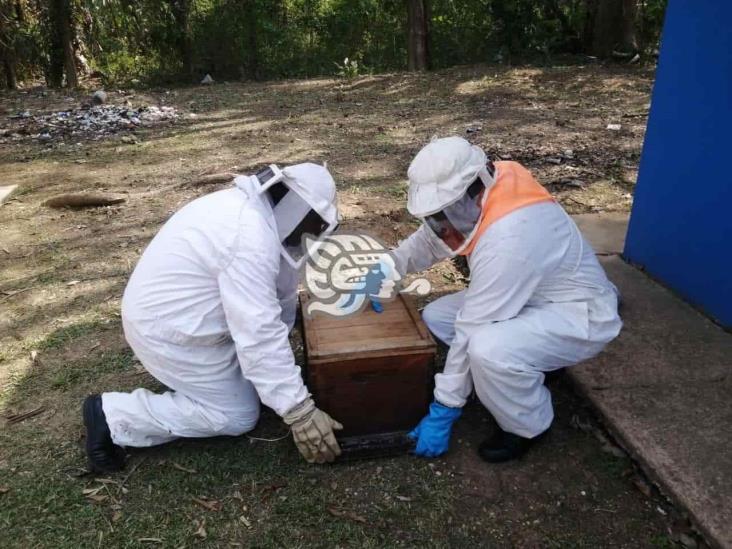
(103, 454)
(503, 446)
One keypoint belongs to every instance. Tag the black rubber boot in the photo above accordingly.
(103, 454)
(503, 446)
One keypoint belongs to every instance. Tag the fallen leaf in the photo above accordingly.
(73, 283)
(210, 504)
(5, 250)
(404, 498)
(613, 450)
(201, 529)
(643, 486)
(106, 481)
(245, 521)
(4, 489)
(181, 468)
(346, 514)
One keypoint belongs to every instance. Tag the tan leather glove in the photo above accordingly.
(312, 430)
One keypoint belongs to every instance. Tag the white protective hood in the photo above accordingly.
(312, 188)
(441, 172)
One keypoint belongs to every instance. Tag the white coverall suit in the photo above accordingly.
(207, 311)
(538, 300)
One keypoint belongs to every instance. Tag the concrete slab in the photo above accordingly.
(663, 387)
(605, 231)
(6, 191)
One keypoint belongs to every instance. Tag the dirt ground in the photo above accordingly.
(62, 273)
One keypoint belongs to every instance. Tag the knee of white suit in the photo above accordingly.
(510, 389)
(143, 418)
(238, 425)
(439, 323)
(491, 349)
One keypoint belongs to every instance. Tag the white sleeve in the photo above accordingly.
(418, 252)
(500, 286)
(249, 297)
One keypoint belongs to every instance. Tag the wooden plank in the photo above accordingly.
(398, 330)
(368, 332)
(399, 352)
(411, 308)
(397, 346)
(392, 311)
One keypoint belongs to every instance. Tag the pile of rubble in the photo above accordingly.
(92, 122)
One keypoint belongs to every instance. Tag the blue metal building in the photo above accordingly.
(681, 223)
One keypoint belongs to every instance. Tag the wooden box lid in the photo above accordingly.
(397, 330)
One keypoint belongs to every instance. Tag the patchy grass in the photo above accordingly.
(60, 337)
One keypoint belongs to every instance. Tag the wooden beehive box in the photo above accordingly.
(370, 371)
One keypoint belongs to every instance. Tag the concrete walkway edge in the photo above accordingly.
(663, 390)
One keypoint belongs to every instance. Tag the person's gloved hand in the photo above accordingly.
(312, 430)
(433, 432)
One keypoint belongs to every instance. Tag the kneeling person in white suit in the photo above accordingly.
(208, 310)
(538, 300)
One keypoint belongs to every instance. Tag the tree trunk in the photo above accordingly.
(614, 27)
(7, 47)
(418, 44)
(182, 14)
(67, 37)
(11, 79)
(61, 52)
(630, 35)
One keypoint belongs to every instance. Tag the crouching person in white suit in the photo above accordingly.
(208, 310)
(538, 300)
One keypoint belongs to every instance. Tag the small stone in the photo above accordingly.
(555, 161)
(99, 97)
(614, 127)
(129, 139)
(44, 137)
(687, 541)
(207, 80)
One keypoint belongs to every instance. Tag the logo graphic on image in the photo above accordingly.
(345, 271)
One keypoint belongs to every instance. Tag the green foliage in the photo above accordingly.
(164, 40)
(349, 70)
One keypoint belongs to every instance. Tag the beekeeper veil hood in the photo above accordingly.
(447, 183)
(303, 200)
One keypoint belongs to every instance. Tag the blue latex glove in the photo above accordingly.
(377, 306)
(433, 432)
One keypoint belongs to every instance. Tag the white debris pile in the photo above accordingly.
(95, 122)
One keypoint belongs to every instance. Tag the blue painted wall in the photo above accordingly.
(681, 224)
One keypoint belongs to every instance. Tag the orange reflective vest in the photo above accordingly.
(514, 188)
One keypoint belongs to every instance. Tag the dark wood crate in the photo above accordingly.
(372, 372)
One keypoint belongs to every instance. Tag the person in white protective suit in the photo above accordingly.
(537, 300)
(207, 312)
